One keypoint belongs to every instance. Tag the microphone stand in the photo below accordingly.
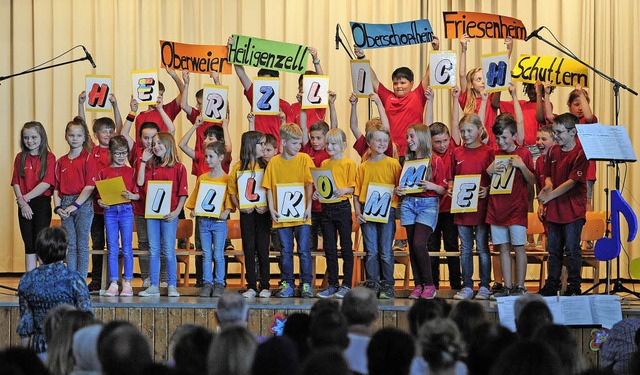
(618, 282)
(43, 68)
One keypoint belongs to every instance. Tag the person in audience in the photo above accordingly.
(85, 350)
(620, 345)
(21, 361)
(468, 316)
(328, 329)
(560, 340)
(51, 322)
(442, 347)
(276, 356)
(360, 308)
(534, 315)
(527, 358)
(326, 361)
(390, 352)
(123, 349)
(485, 346)
(231, 352)
(60, 359)
(232, 311)
(424, 310)
(297, 327)
(190, 349)
(47, 286)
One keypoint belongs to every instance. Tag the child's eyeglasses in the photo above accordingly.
(123, 153)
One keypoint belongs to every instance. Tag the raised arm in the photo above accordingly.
(548, 111)
(455, 116)
(184, 142)
(126, 130)
(242, 75)
(540, 119)
(81, 99)
(353, 117)
(316, 60)
(586, 108)
(428, 114)
(383, 114)
(184, 102)
(435, 44)
(303, 127)
(251, 118)
(374, 78)
(144, 159)
(333, 116)
(178, 83)
(116, 113)
(165, 118)
(462, 64)
(225, 133)
(518, 110)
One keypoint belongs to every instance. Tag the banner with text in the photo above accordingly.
(495, 67)
(214, 102)
(196, 58)
(442, 69)
(482, 25)
(268, 54)
(374, 35)
(97, 89)
(559, 71)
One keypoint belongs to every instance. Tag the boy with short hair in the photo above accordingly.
(291, 167)
(508, 213)
(565, 198)
(313, 114)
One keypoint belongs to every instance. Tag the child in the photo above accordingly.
(194, 113)
(255, 222)
(565, 198)
(378, 237)
(443, 145)
(361, 145)
(313, 114)
(270, 150)
(33, 179)
(291, 167)
(336, 217)
(419, 211)
(473, 158)
(507, 213)
(75, 180)
(213, 231)
(544, 141)
(119, 217)
(163, 165)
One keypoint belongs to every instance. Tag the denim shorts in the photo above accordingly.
(516, 235)
(423, 210)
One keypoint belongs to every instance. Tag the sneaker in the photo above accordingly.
(307, 292)
(505, 292)
(172, 291)
(199, 284)
(206, 290)
(146, 283)
(548, 291)
(286, 291)
(373, 286)
(387, 292)
(328, 293)
(464, 293)
(428, 292)
(572, 292)
(341, 292)
(265, 293)
(152, 290)
(518, 291)
(94, 287)
(228, 245)
(250, 293)
(113, 290)
(496, 287)
(483, 293)
(127, 290)
(399, 245)
(218, 290)
(417, 291)
(163, 284)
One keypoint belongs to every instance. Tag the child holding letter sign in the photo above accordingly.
(378, 237)
(213, 231)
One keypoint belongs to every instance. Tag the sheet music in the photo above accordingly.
(602, 142)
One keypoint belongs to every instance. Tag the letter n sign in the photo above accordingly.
(158, 203)
(97, 89)
(290, 202)
(378, 202)
(266, 96)
(210, 199)
(465, 193)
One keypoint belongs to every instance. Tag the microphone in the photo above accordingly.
(337, 36)
(534, 34)
(88, 57)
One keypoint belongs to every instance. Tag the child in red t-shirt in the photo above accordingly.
(361, 145)
(313, 114)
(565, 198)
(193, 113)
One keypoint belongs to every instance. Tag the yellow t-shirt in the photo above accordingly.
(281, 171)
(385, 171)
(232, 187)
(344, 173)
(226, 201)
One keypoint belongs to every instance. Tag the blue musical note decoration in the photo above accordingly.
(609, 248)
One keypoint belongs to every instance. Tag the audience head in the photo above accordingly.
(60, 349)
(232, 310)
(489, 340)
(326, 361)
(527, 358)
(390, 352)
(522, 301)
(123, 349)
(276, 356)
(21, 361)
(52, 320)
(188, 347)
(296, 327)
(534, 315)
(322, 305)
(561, 341)
(424, 310)
(231, 353)
(329, 328)
(440, 344)
(85, 348)
(51, 244)
(360, 307)
(468, 316)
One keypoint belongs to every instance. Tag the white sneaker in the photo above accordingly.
(146, 283)
(265, 293)
(464, 293)
(172, 291)
(483, 293)
(150, 291)
(250, 293)
(163, 284)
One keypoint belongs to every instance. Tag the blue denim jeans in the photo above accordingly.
(301, 233)
(213, 232)
(565, 239)
(336, 219)
(479, 234)
(378, 241)
(162, 239)
(78, 226)
(119, 219)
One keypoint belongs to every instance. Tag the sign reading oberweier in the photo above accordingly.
(373, 35)
(268, 54)
(196, 58)
(482, 25)
(559, 71)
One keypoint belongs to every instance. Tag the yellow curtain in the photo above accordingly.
(123, 35)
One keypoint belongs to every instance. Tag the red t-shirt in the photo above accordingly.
(200, 167)
(200, 134)
(512, 209)
(31, 177)
(562, 166)
(171, 109)
(127, 173)
(465, 161)
(489, 116)
(269, 124)
(138, 206)
(313, 114)
(531, 124)
(318, 157)
(177, 174)
(539, 171)
(445, 200)
(361, 147)
(402, 113)
(438, 177)
(72, 175)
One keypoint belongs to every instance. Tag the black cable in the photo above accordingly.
(50, 60)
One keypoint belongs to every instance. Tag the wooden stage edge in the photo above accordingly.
(158, 317)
